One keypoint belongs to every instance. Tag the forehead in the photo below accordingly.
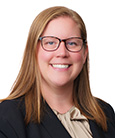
(62, 27)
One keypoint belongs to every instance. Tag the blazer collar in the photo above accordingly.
(53, 125)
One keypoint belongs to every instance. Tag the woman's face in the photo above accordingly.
(60, 68)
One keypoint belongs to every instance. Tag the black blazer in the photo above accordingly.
(12, 124)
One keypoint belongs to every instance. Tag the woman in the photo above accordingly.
(51, 96)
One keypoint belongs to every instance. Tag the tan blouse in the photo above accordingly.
(75, 123)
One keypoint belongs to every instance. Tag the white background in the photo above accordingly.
(16, 17)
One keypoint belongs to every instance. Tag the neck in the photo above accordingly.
(59, 99)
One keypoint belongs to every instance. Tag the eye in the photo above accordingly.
(49, 43)
(72, 44)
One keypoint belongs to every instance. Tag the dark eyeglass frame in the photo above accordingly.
(61, 40)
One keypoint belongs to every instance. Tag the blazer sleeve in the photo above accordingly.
(11, 120)
(6, 130)
(2, 135)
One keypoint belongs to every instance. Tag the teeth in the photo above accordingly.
(60, 66)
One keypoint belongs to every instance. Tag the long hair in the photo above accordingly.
(28, 82)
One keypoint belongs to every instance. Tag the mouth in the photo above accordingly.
(61, 66)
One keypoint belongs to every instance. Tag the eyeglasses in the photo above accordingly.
(51, 43)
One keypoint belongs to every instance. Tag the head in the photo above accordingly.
(39, 26)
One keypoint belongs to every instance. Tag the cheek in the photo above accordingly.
(78, 58)
(43, 57)
(78, 62)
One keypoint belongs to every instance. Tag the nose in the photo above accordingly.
(62, 51)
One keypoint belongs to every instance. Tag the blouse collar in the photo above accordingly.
(74, 114)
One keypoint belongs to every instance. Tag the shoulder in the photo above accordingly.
(9, 107)
(12, 118)
(110, 115)
(107, 108)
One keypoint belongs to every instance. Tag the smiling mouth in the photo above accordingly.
(61, 66)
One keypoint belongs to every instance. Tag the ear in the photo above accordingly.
(85, 53)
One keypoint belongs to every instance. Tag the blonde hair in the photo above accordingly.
(28, 84)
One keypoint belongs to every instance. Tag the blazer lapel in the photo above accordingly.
(53, 125)
(96, 130)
